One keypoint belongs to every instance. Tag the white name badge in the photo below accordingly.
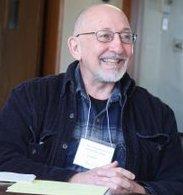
(91, 154)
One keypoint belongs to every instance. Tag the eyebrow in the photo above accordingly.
(126, 29)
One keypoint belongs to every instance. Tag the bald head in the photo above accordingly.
(95, 15)
(98, 46)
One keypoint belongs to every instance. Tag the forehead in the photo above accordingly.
(104, 18)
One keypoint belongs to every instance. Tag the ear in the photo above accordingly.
(74, 47)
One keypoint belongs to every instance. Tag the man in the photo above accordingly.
(46, 122)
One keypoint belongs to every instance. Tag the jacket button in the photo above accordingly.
(71, 115)
(34, 151)
(64, 146)
(159, 147)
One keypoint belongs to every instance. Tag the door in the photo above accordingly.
(21, 23)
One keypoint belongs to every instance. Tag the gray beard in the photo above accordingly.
(109, 78)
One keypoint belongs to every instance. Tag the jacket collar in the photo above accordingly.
(127, 84)
(68, 79)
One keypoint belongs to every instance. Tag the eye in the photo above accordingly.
(104, 36)
(126, 37)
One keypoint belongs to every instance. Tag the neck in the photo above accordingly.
(98, 90)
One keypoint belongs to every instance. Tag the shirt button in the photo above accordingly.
(71, 115)
(64, 146)
(98, 120)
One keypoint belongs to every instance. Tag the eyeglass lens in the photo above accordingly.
(107, 36)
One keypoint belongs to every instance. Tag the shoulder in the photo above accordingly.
(144, 97)
(38, 91)
(153, 110)
(46, 81)
(49, 83)
(141, 99)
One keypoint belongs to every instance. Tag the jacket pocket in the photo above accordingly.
(151, 148)
(157, 141)
(40, 147)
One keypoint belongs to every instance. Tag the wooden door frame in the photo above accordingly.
(54, 13)
(127, 8)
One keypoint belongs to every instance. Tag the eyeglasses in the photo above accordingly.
(107, 36)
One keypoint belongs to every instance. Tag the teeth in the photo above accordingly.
(111, 60)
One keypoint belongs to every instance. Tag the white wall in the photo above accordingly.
(161, 67)
(148, 69)
(72, 9)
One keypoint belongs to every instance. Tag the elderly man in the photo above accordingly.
(92, 124)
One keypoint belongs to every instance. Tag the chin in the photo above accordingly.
(110, 78)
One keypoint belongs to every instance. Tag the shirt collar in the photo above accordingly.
(80, 88)
(116, 93)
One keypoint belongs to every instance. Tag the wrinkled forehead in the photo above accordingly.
(102, 18)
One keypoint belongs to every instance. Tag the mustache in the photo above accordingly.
(114, 56)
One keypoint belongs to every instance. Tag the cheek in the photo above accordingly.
(92, 53)
(92, 50)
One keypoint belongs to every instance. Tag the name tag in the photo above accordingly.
(91, 154)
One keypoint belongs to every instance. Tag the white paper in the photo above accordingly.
(55, 187)
(91, 154)
(16, 177)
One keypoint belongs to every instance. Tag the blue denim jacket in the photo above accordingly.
(38, 120)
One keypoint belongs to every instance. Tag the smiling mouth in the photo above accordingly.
(113, 61)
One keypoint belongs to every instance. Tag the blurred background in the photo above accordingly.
(33, 42)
